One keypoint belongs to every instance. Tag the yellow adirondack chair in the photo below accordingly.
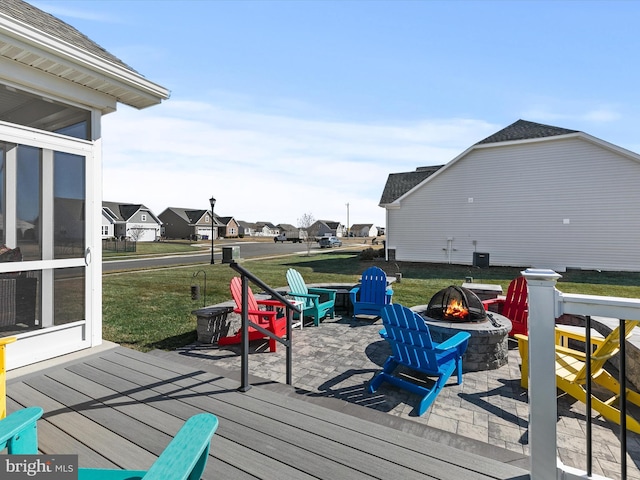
(571, 372)
(3, 375)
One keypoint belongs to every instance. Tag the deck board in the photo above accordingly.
(120, 408)
(337, 425)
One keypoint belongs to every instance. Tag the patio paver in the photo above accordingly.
(337, 359)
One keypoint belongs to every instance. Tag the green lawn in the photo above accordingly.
(152, 309)
(158, 248)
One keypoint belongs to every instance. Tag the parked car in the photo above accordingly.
(330, 242)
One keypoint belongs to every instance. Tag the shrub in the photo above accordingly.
(371, 253)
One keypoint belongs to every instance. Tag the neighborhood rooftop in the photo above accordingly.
(525, 130)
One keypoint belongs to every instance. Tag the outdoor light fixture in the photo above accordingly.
(212, 201)
(195, 288)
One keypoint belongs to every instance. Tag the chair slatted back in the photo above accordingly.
(236, 292)
(515, 303)
(297, 285)
(608, 349)
(373, 286)
(409, 337)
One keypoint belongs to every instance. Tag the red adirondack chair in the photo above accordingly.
(267, 319)
(513, 306)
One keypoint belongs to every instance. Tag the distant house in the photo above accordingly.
(322, 228)
(266, 229)
(189, 223)
(530, 195)
(363, 230)
(246, 229)
(287, 227)
(109, 220)
(227, 227)
(132, 221)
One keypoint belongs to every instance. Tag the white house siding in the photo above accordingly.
(107, 227)
(523, 195)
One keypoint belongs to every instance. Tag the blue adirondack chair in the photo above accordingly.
(372, 295)
(184, 458)
(19, 431)
(412, 346)
(313, 306)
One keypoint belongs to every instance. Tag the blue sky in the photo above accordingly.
(286, 108)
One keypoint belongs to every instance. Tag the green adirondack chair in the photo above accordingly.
(19, 431)
(318, 302)
(184, 458)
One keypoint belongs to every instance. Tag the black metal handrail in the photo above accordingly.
(622, 380)
(247, 276)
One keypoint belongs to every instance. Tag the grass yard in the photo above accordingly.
(152, 309)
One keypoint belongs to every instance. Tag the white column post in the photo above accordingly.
(542, 379)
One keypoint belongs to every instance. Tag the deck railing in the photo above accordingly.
(246, 277)
(546, 304)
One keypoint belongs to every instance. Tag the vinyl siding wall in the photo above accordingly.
(174, 225)
(523, 196)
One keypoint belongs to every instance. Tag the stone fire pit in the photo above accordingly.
(488, 346)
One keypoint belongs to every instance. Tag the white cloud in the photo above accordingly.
(268, 167)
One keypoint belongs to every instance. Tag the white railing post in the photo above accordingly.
(542, 377)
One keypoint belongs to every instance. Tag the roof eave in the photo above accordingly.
(585, 136)
(136, 90)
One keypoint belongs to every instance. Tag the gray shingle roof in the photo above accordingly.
(400, 183)
(30, 15)
(287, 227)
(124, 211)
(524, 130)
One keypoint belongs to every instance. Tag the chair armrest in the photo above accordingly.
(105, 473)
(270, 303)
(562, 332)
(262, 313)
(354, 291)
(21, 425)
(571, 352)
(389, 291)
(304, 295)
(492, 301)
(453, 342)
(325, 291)
(184, 457)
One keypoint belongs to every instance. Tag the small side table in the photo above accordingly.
(299, 304)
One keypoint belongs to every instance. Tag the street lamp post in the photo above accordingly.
(348, 232)
(212, 201)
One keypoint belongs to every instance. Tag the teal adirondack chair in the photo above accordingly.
(19, 431)
(313, 306)
(184, 458)
(412, 346)
(372, 295)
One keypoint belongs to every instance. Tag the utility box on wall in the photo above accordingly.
(230, 254)
(480, 260)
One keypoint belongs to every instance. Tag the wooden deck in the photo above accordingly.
(119, 408)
